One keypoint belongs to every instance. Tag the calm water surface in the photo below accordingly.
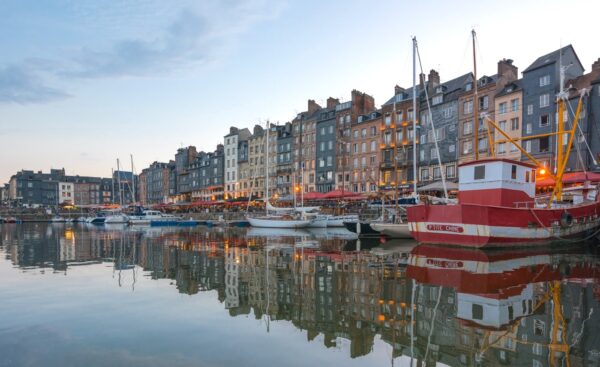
(117, 296)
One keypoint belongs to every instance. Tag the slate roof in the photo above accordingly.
(550, 58)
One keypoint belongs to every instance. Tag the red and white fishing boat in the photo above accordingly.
(497, 204)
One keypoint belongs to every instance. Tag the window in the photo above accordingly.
(364, 147)
(424, 174)
(410, 115)
(530, 109)
(363, 133)
(545, 100)
(398, 116)
(502, 108)
(477, 310)
(483, 103)
(422, 154)
(373, 145)
(528, 146)
(526, 180)
(373, 131)
(330, 145)
(468, 107)
(467, 147)
(436, 173)
(514, 105)
(482, 144)
(528, 128)
(322, 146)
(355, 134)
(450, 171)
(400, 135)
(388, 120)
(545, 80)
(544, 144)
(331, 129)
(502, 125)
(423, 139)
(513, 172)
(501, 148)
(514, 123)
(479, 173)
(544, 120)
(329, 161)
(467, 127)
(513, 148)
(451, 148)
(433, 153)
(437, 99)
(363, 161)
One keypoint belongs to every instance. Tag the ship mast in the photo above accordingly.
(414, 117)
(475, 100)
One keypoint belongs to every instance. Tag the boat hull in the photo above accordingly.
(392, 230)
(338, 220)
(471, 225)
(365, 228)
(278, 223)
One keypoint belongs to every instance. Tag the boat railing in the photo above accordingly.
(525, 204)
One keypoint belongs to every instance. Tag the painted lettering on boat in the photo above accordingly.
(445, 228)
(445, 263)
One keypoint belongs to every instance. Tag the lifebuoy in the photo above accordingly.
(566, 219)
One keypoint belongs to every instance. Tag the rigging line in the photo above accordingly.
(435, 137)
(577, 147)
(581, 133)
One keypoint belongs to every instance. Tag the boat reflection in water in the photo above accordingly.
(467, 307)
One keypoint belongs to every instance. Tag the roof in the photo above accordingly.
(403, 96)
(550, 58)
(511, 87)
(490, 160)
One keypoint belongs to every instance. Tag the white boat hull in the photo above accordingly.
(320, 221)
(393, 230)
(278, 223)
(116, 219)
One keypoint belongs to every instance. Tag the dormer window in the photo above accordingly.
(468, 87)
(437, 99)
(439, 89)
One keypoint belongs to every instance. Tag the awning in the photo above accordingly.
(313, 195)
(339, 194)
(437, 186)
(571, 178)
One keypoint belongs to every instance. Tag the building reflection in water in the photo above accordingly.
(464, 307)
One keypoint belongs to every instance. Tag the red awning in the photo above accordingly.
(571, 178)
(339, 194)
(313, 195)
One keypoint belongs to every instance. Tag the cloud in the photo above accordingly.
(195, 36)
(22, 85)
(185, 42)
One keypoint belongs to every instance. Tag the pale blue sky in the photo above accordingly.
(84, 82)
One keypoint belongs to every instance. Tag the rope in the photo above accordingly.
(559, 237)
(435, 135)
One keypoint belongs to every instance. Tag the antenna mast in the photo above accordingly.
(475, 100)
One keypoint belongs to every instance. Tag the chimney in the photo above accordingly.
(362, 103)
(398, 89)
(233, 130)
(312, 106)
(421, 81)
(332, 102)
(596, 65)
(434, 78)
(507, 73)
(257, 129)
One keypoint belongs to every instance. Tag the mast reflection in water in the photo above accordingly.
(94, 295)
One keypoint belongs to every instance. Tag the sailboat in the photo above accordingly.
(497, 205)
(280, 219)
(401, 229)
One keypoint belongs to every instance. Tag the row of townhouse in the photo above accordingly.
(35, 189)
(358, 147)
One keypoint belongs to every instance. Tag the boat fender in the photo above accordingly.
(566, 219)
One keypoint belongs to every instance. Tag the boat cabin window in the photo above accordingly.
(513, 172)
(526, 176)
(477, 311)
(532, 175)
(479, 173)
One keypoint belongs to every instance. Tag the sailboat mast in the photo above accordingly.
(119, 182)
(475, 101)
(414, 119)
(267, 171)
(132, 180)
(112, 184)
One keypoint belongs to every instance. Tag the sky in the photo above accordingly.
(83, 82)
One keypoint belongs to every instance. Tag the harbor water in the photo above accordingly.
(84, 295)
